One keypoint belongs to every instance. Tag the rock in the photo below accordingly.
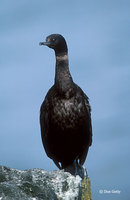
(37, 184)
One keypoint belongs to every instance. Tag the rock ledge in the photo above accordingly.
(37, 184)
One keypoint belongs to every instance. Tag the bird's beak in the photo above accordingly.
(44, 43)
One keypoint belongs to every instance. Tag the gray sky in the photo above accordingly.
(97, 33)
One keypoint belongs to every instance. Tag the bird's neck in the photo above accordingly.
(63, 79)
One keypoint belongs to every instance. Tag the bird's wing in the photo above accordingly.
(44, 123)
(85, 151)
(83, 155)
(88, 107)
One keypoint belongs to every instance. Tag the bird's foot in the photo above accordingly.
(76, 169)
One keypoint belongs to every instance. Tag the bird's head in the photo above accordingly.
(56, 42)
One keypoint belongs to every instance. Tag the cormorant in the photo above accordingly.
(65, 114)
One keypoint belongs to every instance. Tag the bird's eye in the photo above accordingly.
(53, 39)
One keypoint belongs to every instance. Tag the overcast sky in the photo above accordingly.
(97, 34)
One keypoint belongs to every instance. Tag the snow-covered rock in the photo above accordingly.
(37, 184)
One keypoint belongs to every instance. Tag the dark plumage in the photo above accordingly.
(65, 114)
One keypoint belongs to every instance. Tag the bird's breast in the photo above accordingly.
(67, 113)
